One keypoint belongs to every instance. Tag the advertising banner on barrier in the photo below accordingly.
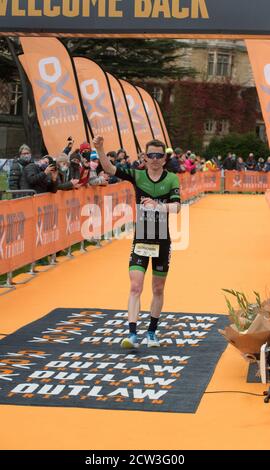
(246, 181)
(136, 16)
(98, 102)
(16, 234)
(123, 117)
(152, 114)
(50, 72)
(193, 185)
(35, 227)
(139, 117)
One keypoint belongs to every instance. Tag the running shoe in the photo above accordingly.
(131, 342)
(152, 341)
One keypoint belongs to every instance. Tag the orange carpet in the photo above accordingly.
(229, 247)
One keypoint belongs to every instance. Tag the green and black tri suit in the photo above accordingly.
(152, 226)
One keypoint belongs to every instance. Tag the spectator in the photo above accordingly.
(173, 163)
(219, 162)
(112, 156)
(85, 152)
(240, 164)
(229, 163)
(266, 167)
(127, 162)
(15, 175)
(260, 164)
(210, 165)
(64, 181)
(75, 165)
(40, 176)
(190, 164)
(251, 162)
(95, 179)
(140, 163)
(182, 161)
(121, 153)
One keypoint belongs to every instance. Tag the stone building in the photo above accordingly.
(219, 64)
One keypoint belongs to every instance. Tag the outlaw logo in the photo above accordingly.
(57, 102)
(93, 100)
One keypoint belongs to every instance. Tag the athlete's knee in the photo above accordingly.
(158, 289)
(136, 287)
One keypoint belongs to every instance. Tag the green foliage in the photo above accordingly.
(239, 144)
(247, 312)
(3, 181)
(197, 102)
(133, 58)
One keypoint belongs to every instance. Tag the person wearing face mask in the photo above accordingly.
(85, 153)
(40, 176)
(96, 179)
(15, 175)
(75, 165)
(64, 182)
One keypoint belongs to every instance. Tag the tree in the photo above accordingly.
(240, 144)
(133, 58)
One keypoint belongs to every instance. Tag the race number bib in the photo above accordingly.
(143, 249)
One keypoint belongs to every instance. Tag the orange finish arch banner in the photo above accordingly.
(123, 117)
(98, 103)
(50, 72)
(259, 55)
(138, 114)
(152, 114)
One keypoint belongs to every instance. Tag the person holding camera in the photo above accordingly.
(41, 176)
(64, 180)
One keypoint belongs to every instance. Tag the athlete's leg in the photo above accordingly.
(160, 267)
(137, 268)
(158, 286)
(136, 288)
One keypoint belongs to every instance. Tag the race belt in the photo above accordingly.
(143, 249)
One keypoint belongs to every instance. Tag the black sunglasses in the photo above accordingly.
(158, 156)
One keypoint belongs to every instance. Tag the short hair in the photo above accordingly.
(24, 147)
(121, 151)
(155, 143)
(112, 154)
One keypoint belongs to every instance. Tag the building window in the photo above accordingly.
(16, 99)
(210, 126)
(223, 65)
(211, 64)
(219, 64)
(157, 94)
(5, 97)
(224, 126)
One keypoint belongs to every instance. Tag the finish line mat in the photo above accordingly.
(72, 358)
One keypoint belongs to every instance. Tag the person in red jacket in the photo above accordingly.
(85, 153)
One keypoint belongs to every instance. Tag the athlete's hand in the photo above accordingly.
(149, 203)
(98, 142)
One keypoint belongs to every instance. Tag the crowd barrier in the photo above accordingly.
(34, 227)
(247, 181)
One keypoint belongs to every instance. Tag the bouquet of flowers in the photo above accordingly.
(250, 327)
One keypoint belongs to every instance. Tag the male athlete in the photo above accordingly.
(157, 194)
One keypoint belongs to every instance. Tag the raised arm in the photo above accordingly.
(107, 166)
